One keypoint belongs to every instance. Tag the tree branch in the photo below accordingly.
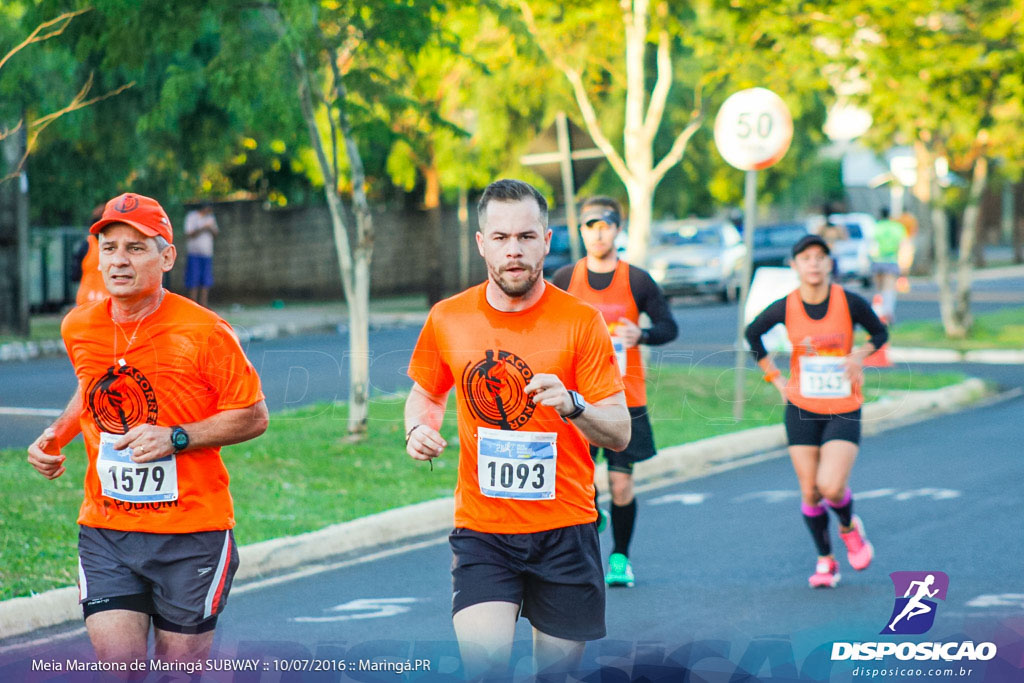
(582, 98)
(36, 127)
(37, 36)
(662, 85)
(678, 147)
(11, 131)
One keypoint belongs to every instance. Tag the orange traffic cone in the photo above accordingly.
(880, 358)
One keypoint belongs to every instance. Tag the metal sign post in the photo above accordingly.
(753, 130)
(564, 158)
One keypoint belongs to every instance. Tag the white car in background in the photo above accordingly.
(853, 255)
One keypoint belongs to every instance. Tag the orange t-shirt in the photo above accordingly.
(91, 286)
(184, 365)
(489, 356)
(615, 301)
(830, 336)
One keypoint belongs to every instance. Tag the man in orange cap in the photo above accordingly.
(162, 385)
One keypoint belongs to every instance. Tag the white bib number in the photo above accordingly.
(823, 377)
(133, 482)
(619, 345)
(519, 465)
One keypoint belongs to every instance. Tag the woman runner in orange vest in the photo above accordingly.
(823, 397)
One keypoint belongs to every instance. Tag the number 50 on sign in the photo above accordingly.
(753, 129)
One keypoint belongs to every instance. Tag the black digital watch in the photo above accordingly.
(179, 438)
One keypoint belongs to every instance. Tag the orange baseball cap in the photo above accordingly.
(142, 213)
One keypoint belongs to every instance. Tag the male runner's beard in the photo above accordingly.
(511, 288)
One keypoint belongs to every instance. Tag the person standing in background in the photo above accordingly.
(200, 229)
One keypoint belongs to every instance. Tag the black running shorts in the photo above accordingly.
(183, 580)
(640, 448)
(804, 428)
(555, 576)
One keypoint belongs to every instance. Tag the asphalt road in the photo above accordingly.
(307, 368)
(721, 590)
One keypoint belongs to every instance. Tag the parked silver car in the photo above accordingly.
(697, 257)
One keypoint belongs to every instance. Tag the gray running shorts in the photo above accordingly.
(183, 580)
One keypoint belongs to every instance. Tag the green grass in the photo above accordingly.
(302, 475)
(1003, 329)
(41, 327)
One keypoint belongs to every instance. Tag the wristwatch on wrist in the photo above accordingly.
(179, 438)
(579, 405)
(645, 336)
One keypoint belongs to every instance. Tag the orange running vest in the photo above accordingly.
(830, 336)
(615, 301)
(91, 286)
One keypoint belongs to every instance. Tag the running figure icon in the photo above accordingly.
(915, 606)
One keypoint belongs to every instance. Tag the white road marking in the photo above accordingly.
(998, 600)
(30, 412)
(934, 494)
(365, 608)
(769, 496)
(684, 498)
(319, 568)
(875, 493)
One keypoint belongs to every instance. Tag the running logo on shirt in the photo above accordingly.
(122, 399)
(128, 204)
(496, 389)
(914, 612)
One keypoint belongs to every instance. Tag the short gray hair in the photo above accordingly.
(161, 243)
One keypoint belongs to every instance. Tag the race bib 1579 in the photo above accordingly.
(133, 482)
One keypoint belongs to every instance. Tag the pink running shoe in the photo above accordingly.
(859, 550)
(826, 573)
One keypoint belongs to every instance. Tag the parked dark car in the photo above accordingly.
(773, 244)
(560, 253)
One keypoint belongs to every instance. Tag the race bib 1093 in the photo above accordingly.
(519, 465)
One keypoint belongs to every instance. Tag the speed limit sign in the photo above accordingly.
(753, 129)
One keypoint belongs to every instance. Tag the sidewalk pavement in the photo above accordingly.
(314, 550)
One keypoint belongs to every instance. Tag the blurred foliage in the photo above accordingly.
(459, 87)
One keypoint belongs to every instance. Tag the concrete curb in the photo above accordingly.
(259, 560)
(935, 355)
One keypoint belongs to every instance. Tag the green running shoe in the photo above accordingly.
(602, 520)
(620, 571)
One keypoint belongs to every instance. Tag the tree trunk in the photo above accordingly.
(14, 247)
(940, 226)
(1018, 224)
(641, 205)
(354, 267)
(434, 243)
(359, 306)
(923, 190)
(968, 240)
